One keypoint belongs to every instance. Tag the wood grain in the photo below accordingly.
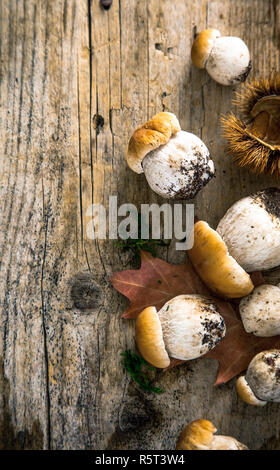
(75, 81)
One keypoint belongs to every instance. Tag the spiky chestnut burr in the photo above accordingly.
(254, 139)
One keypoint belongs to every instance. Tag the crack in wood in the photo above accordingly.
(45, 341)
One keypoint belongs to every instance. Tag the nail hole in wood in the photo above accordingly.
(98, 122)
(106, 4)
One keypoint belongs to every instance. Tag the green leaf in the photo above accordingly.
(136, 245)
(133, 364)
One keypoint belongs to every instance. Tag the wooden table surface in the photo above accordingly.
(75, 81)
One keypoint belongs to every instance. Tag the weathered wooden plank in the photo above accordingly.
(75, 81)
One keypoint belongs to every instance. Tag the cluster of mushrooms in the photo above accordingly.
(177, 165)
(247, 238)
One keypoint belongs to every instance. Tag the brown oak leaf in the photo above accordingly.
(157, 281)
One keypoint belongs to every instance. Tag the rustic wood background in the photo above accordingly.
(75, 81)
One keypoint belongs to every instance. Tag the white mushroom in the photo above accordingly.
(260, 311)
(185, 328)
(176, 163)
(180, 168)
(191, 326)
(261, 383)
(226, 58)
(251, 230)
(199, 435)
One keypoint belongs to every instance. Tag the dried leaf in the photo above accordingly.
(155, 283)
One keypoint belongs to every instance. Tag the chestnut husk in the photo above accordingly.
(254, 139)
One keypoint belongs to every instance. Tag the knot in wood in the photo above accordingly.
(85, 292)
(135, 416)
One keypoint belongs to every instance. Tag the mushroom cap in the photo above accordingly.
(191, 326)
(153, 133)
(251, 230)
(260, 311)
(246, 393)
(220, 272)
(149, 338)
(229, 61)
(196, 435)
(199, 435)
(263, 375)
(180, 168)
(202, 46)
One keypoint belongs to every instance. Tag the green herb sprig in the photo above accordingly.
(133, 364)
(136, 245)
